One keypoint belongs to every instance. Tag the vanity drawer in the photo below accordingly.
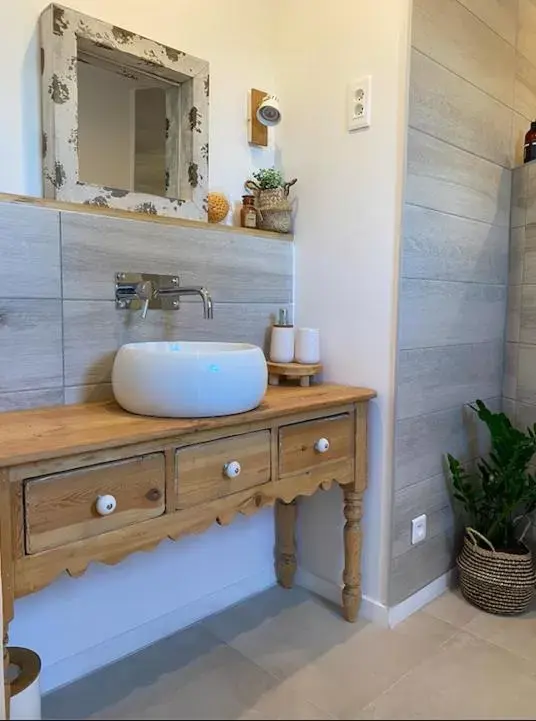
(203, 472)
(63, 507)
(302, 445)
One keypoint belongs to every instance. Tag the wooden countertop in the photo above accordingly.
(42, 433)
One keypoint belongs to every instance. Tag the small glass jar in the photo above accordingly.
(248, 214)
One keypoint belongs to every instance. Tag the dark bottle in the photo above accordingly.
(530, 144)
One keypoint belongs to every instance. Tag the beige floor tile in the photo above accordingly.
(516, 634)
(467, 678)
(453, 608)
(300, 629)
(352, 671)
(280, 703)
(222, 686)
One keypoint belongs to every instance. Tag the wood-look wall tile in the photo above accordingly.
(94, 330)
(20, 400)
(526, 377)
(531, 194)
(441, 313)
(509, 407)
(452, 36)
(526, 29)
(525, 87)
(433, 379)
(30, 339)
(527, 328)
(95, 393)
(520, 125)
(432, 497)
(443, 177)
(516, 259)
(529, 258)
(500, 15)
(30, 243)
(422, 564)
(525, 415)
(513, 314)
(446, 247)
(422, 442)
(519, 196)
(234, 268)
(511, 351)
(450, 108)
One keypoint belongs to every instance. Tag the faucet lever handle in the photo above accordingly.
(144, 308)
(144, 291)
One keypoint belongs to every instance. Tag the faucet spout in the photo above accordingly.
(206, 298)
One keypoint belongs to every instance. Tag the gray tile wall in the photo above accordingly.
(472, 94)
(59, 328)
(519, 380)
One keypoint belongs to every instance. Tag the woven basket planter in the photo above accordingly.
(495, 581)
(274, 211)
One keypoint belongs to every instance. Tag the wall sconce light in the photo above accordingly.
(264, 113)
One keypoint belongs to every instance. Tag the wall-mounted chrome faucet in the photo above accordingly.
(144, 291)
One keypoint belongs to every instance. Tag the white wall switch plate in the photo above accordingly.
(359, 103)
(418, 529)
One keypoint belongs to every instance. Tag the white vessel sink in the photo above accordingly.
(189, 380)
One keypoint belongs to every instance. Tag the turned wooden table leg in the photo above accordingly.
(7, 694)
(351, 594)
(285, 522)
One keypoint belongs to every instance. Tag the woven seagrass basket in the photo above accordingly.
(274, 211)
(495, 581)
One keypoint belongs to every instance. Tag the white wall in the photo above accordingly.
(153, 594)
(235, 36)
(347, 235)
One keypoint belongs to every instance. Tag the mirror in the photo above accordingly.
(125, 146)
(124, 118)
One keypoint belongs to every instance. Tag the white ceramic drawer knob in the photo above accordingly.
(232, 469)
(105, 505)
(322, 445)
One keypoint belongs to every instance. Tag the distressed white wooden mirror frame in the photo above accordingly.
(63, 33)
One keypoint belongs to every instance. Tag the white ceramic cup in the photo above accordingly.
(307, 345)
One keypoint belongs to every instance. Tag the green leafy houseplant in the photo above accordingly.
(502, 490)
(269, 178)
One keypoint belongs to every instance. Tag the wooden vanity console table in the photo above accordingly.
(92, 483)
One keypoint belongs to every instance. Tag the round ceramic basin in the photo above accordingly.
(188, 379)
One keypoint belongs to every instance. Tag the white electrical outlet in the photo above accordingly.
(359, 103)
(418, 529)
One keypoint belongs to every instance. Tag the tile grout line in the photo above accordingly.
(448, 212)
(422, 662)
(273, 675)
(450, 280)
(514, 45)
(469, 82)
(457, 147)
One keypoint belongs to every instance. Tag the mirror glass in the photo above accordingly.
(123, 128)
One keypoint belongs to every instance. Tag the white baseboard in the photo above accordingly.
(412, 604)
(74, 667)
(371, 609)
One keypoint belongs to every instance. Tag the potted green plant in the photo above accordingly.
(270, 190)
(496, 569)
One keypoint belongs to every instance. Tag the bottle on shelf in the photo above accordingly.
(529, 152)
(248, 214)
